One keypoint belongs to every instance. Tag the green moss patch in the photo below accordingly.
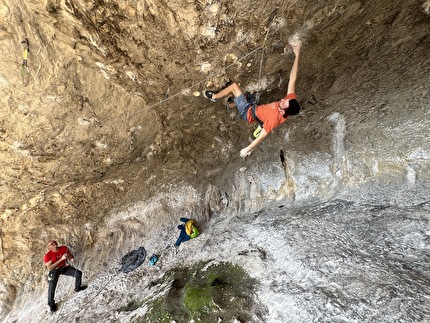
(219, 291)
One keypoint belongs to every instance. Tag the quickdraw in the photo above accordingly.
(24, 66)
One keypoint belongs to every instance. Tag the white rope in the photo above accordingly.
(68, 293)
(198, 83)
(262, 54)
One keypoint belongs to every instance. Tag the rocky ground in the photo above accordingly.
(105, 142)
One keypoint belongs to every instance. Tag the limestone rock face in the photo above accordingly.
(106, 140)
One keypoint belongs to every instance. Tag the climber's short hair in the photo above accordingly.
(293, 107)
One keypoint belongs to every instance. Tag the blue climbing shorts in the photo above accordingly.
(242, 106)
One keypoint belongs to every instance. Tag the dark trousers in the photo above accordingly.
(68, 271)
(183, 236)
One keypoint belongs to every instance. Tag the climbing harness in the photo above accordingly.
(253, 103)
(257, 131)
(24, 65)
(254, 107)
(252, 100)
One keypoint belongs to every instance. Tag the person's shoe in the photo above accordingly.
(209, 95)
(53, 307)
(80, 288)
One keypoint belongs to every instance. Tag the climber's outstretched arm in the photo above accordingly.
(247, 150)
(295, 69)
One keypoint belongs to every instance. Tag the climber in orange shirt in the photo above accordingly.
(269, 115)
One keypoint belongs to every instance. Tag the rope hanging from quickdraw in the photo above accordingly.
(262, 55)
(24, 65)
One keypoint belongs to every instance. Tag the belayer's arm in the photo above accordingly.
(51, 265)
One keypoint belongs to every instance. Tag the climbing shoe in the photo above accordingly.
(209, 95)
(257, 132)
(80, 288)
(53, 307)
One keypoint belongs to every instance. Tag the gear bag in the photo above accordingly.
(132, 260)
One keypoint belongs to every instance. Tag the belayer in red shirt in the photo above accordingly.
(56, 262)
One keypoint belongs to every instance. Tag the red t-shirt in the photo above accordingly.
(269, 114)
(55, 256)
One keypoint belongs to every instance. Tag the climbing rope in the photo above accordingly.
(139, 258)
(129, 262)
(262, 55)
(58, 317)
(220, 71)
(198, 83)
(24, 66)
(72, 282)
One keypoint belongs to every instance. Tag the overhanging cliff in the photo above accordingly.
(105, 141)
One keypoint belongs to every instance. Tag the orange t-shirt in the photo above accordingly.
(269, 114)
